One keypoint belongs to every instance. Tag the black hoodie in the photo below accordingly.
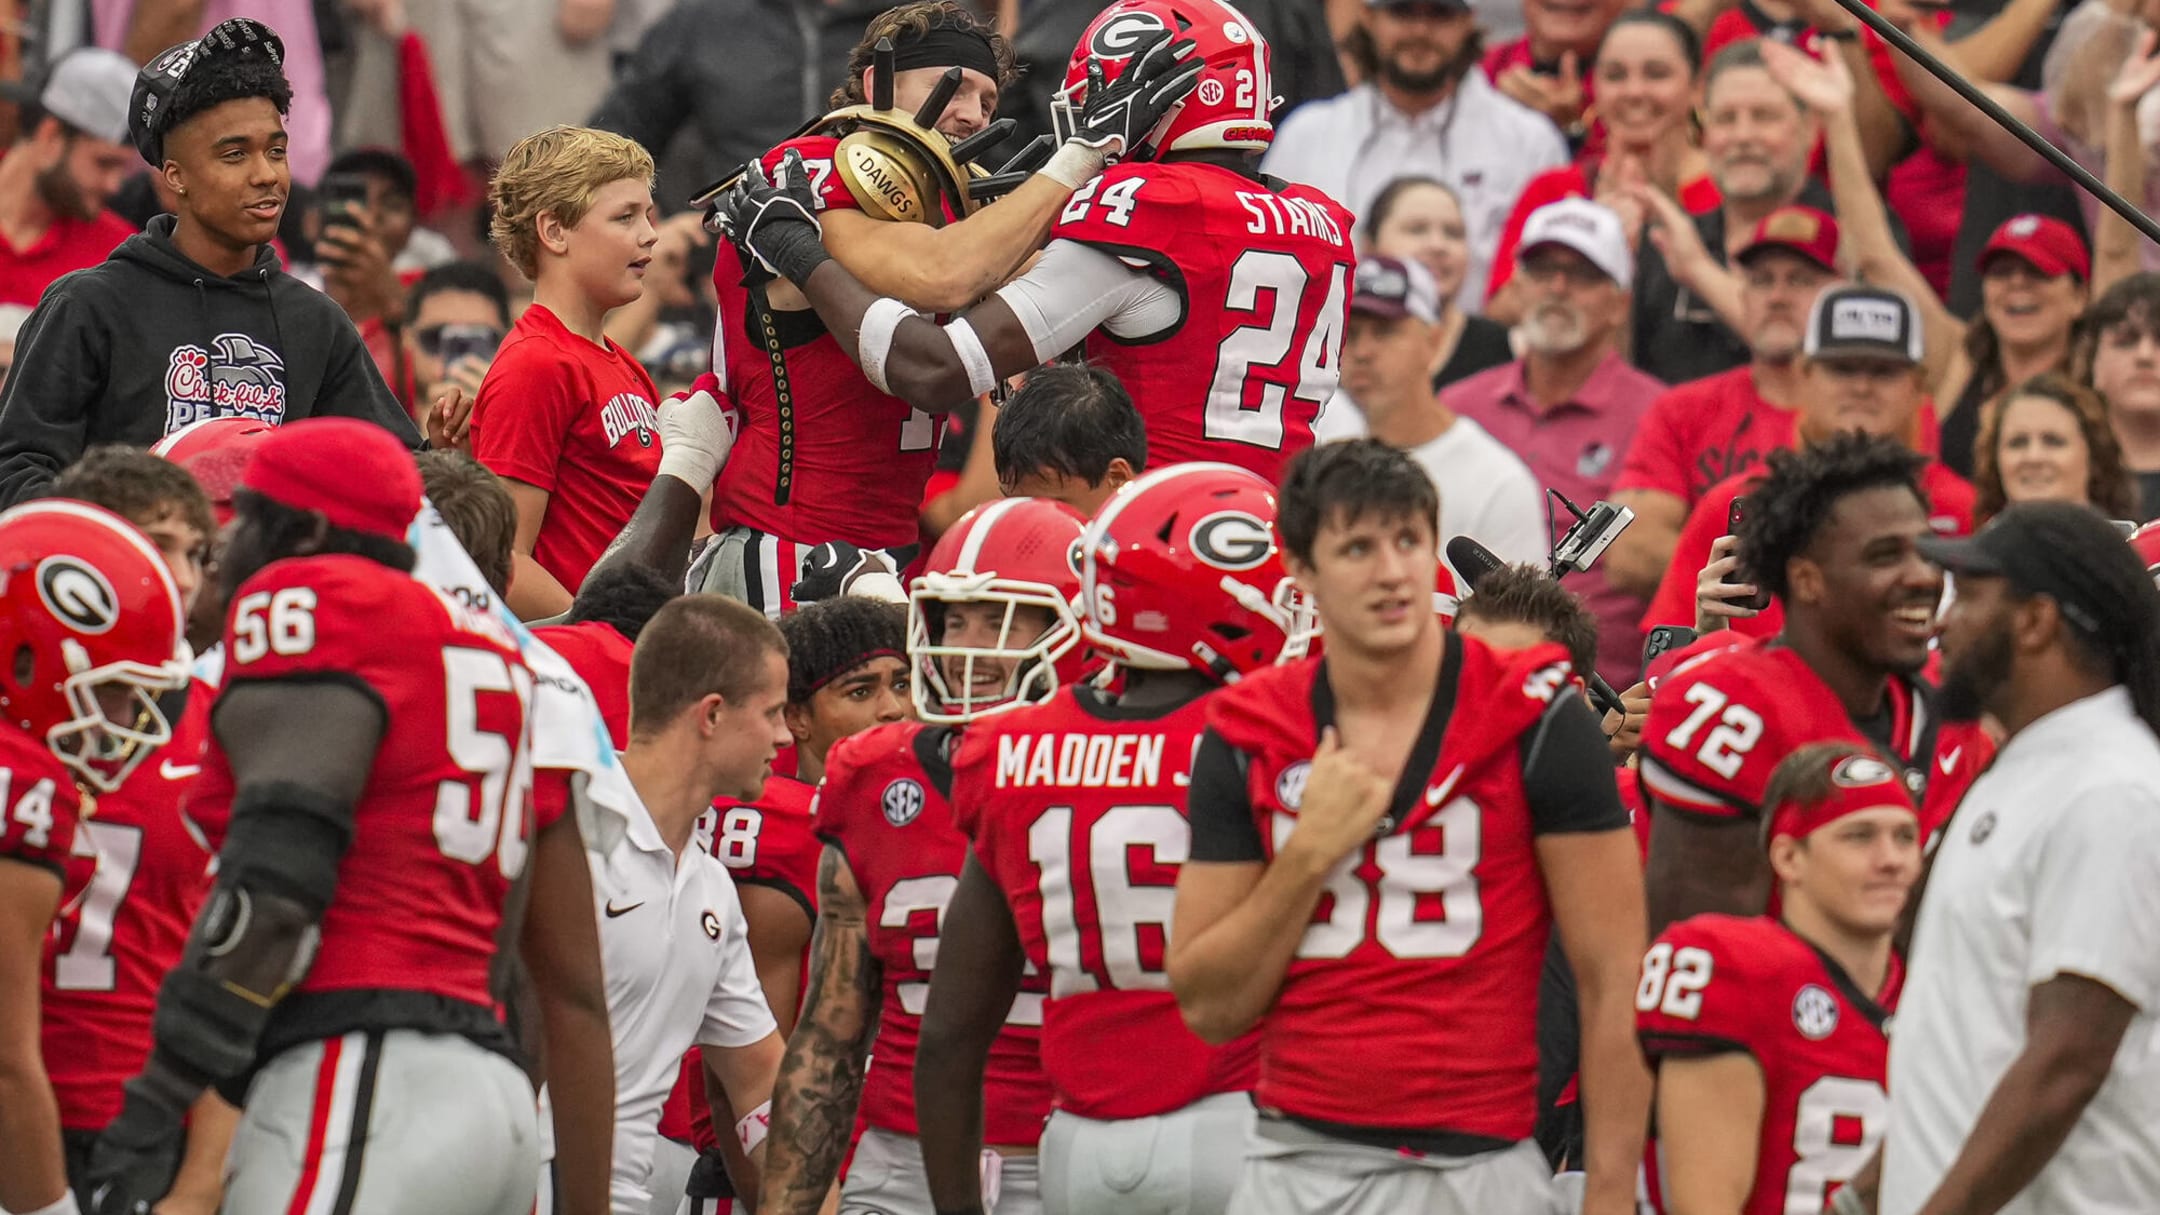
(132, 349)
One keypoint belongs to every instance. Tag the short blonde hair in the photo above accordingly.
(557, 170)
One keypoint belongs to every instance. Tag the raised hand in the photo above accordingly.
(1116, 116)
(2139, 73)
(1559, 97)
(1825, 85)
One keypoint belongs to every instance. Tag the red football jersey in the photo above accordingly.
(1264, 271)
(763, 843)
(144, 869)
(1719, 983)
(577, 420)
(39, 803)
(836, 460)
(1719, 724)
(443, 826)
(1077, 808)
(600, 655)
(884, 805)
(1429, 939)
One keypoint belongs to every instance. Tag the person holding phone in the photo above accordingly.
(456, 316)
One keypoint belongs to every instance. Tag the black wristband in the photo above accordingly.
(794, 249)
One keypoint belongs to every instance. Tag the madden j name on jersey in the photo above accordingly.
(1096, 761)
(1274, 215)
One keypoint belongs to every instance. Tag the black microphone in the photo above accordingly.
(1475, 563)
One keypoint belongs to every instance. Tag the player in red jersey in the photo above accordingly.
(397, 786)
(601, 630)
(847, 672)
(2146, 540)
(1383, 841)
(141, 864)
(1769, 1032)
(990, 628)
(1217, 295)
(92, 621)
(1832, 535)
(1179, 581)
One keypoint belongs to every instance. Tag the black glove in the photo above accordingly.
(830, 568)
(138, 1154)
(1117, 116)
(775, 223)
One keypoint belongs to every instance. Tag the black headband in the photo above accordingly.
(945, 46)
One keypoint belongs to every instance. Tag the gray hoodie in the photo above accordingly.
(134, 348)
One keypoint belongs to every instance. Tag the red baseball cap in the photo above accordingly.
(1859, 780)
(2049, 245)
(1806, 231)
(354, 472)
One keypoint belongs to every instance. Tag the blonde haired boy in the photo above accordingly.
(566, 417)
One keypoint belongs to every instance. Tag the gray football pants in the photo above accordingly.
(1290, 1170)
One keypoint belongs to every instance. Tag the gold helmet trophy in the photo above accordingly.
(899, 166)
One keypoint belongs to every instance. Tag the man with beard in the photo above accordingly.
(68, 161)
(1758, 138)
(1698, 434)
(1569, 405)
(1424, 110)
(2021, 1075)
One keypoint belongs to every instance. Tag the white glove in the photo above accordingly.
(696, 433)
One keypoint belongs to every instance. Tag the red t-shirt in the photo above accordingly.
(69, 245)
(1718, 984)
(1702, 432)
(577, 420)
(600, 655)
(442, 829)
(1573, 181)
(1046, 794)
(144, 867)
(1950, 511)
(1265, 278)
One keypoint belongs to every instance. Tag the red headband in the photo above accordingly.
(1859, 780)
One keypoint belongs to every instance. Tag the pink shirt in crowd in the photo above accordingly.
(1575, 447)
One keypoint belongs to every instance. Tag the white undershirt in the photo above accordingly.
(1074, 289)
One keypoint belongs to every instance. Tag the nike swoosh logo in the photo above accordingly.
(1438, 793)
(171, 771)
(613, 910)
(1949, 761)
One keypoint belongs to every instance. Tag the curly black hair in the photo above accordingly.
(1525, 594)
(622, 596)
(1342, 482)
(831, 637)
(1787, 508)
(217, 79)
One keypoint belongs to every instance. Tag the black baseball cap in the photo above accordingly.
(150, 107)
(1853, 322)
(2039, 547)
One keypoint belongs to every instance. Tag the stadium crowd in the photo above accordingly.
(1306, 607)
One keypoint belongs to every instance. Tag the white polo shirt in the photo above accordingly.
(2052, 866)
(677, 955)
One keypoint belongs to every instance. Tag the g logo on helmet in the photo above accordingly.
(1232, 540)
(1121, 35)
(78, 594)
(1861, 771)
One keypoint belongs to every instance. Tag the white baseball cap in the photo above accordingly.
(88, 89)
(1589, 228)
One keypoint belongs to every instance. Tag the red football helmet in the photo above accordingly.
(2146, 540)
(215, 451)
(1229, 104)
(1015, 552)
(91, 631)
(1180, 570)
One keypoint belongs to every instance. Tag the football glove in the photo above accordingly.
(697, 430)
(774, 223)
(1117, 116)
(138, 1154)
(837, 568)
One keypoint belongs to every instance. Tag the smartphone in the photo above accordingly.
(1664, 639)
(474, 341)
(1761, 598)
(342, 195)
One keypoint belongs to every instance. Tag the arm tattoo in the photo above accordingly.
(821, 1078)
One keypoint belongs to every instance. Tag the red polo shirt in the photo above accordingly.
(1950, 510)
(1574, 447)
(68, 245)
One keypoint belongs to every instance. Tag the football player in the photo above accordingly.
(1831, 532)
(1769, 1031)
(1383, 841)
(375, 783)
(847, 672)
(142, 865)
(991, 628)
(1075, 812)
(92, 625)
(1218, 296)
(2146, 540)
(824, 454)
